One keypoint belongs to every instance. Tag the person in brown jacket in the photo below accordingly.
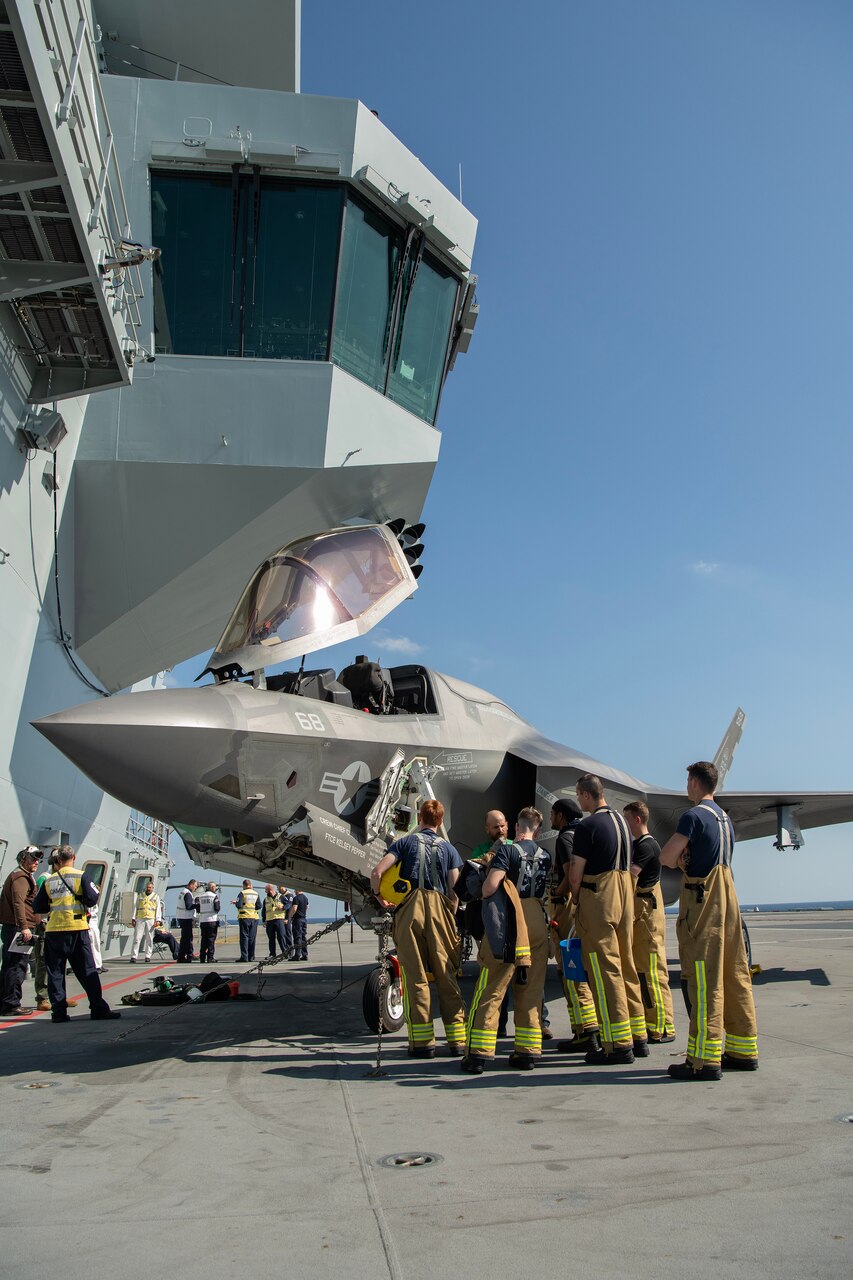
(17, 917)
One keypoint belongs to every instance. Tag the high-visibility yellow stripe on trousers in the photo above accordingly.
(528, 1040)
(742, 1046)
(657, 1027)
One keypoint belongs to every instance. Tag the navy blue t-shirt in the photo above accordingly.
(710, 837)
(300, 901)
(603, 840)
(529, 875)
(406, 852)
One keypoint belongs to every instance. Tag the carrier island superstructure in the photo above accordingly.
(227, 311)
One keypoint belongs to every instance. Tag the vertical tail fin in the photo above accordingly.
(726, 749)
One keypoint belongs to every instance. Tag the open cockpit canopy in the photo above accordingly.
(314, 593)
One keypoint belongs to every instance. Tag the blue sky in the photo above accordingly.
(640, 517)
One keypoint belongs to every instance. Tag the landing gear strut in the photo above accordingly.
(382, 996)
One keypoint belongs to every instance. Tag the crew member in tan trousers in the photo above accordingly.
(603, 889)
(565, 816)
(425, 931)
(710, 937)
(649, 941)
(517, 878)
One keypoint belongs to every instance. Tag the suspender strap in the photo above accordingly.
(623, 841)
(528, 863)
(724, 854)
(422, 852)
(525, 863)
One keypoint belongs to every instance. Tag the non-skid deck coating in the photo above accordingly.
(243, 1139)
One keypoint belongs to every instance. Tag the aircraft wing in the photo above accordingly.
(756, 814)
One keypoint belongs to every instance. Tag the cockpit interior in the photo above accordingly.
(364, 686)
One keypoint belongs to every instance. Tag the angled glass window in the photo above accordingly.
(283, 269)
(247, 265)
(291, 272)
(421, 347)
(192, 222)
(369, 257)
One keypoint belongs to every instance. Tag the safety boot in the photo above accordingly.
(521, 1061)
(641, 1048)
(422, 1051)
(684, 1071)
(455, 1050)
(666, 1039)
(580, 1044)
(474, 1064)
(618, 1058)
(730, 1063)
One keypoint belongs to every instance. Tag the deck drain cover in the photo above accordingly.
(38, 1084)
(410, 1160)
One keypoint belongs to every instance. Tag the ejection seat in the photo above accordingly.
(370, 686)
(320, 684)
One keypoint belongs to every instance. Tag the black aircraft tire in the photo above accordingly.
(747, 944)
(391, 998)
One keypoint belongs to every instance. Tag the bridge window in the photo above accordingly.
(419, 365)
(369, 260)
(279, 269)
(288, 299)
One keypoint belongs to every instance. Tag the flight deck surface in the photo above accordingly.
(247, 1137)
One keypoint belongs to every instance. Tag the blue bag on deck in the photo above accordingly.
(570, 951)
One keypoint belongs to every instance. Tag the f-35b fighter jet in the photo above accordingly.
(304, 777)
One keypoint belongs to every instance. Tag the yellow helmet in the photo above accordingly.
(392, 886)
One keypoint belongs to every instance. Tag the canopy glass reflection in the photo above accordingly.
(315, 593)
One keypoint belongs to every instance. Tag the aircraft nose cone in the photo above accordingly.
(149, 750)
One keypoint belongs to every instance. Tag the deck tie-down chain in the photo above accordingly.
(383, 931)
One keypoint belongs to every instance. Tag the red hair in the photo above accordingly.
(432, 813)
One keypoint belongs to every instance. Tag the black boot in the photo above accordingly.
(618, 1058)
(641, 1048)
(580, 1044)
(730, 1063)
(521, 1061)
(473, 1064)
(684, 1071)
(422, 1051)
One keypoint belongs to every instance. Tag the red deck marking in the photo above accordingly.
(17, 1022)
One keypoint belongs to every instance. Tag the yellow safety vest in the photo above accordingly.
(67, 912)
(274, 909)
(146, 906)
(249, 909)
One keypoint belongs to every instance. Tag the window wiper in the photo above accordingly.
(397, 292)
(417, 258)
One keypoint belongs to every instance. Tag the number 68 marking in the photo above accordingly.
(309, 721)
